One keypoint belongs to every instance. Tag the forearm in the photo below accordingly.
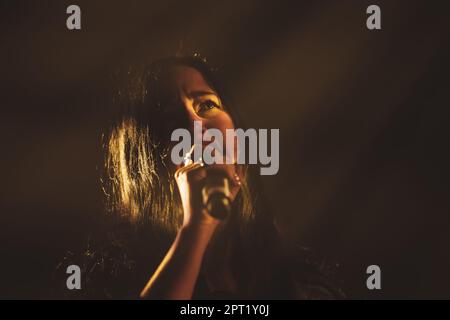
(176, 276)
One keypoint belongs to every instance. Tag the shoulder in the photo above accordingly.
(106, 271)
(313, 277)
(114, 265)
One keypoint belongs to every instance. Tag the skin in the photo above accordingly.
(198, 243)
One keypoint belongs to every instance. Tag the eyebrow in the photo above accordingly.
(196, 94)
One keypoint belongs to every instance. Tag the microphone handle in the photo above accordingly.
(216, 195)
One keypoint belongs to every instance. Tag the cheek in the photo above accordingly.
(223, 122)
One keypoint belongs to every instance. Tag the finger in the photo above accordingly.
(230, 171)
(188, 168)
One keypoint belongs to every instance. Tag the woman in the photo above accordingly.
(240, 257)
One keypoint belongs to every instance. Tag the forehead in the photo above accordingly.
(188, 79)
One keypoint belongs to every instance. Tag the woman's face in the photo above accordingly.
(195, 100)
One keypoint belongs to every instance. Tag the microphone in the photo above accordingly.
(216, 194)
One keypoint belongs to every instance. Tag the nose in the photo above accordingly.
(182, 115)
(178, 115)
(192, 117)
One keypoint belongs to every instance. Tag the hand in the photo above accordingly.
(190, 180)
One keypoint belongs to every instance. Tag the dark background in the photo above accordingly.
(363, 118)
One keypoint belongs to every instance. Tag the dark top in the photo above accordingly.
(119, 265)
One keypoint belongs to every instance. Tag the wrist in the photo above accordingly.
(199, 219)
(202, 230)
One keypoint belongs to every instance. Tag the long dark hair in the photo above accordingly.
(140, 187)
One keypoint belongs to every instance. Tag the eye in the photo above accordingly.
(206, 106)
